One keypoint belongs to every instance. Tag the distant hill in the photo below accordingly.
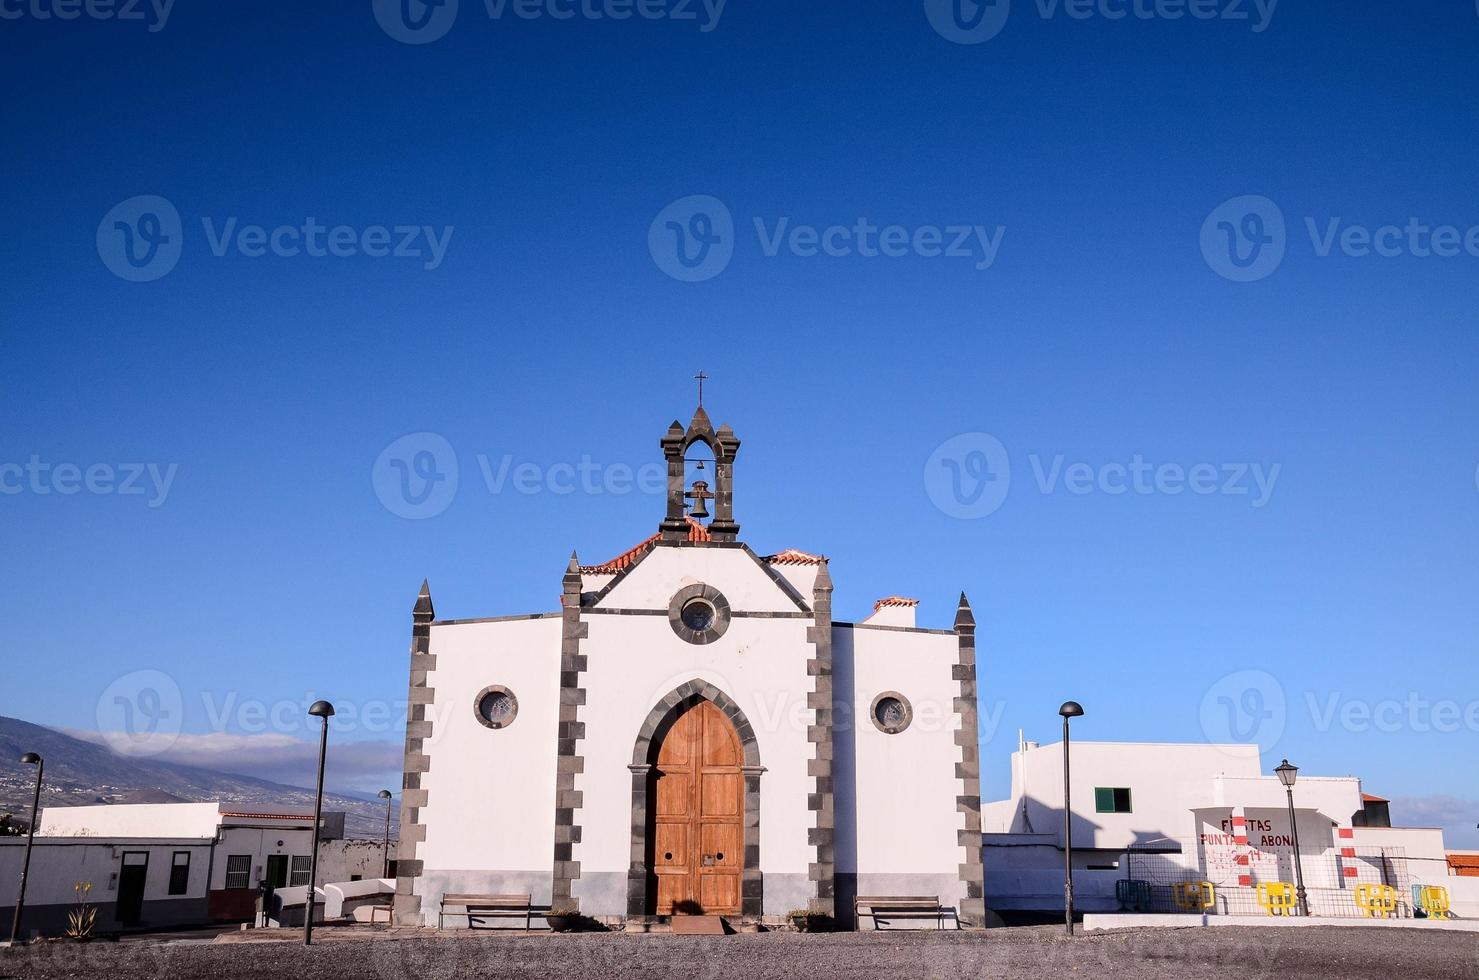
(80, 773)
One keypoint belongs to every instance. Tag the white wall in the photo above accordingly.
(905, 784)
(59, 863)
(1166, 781)
(634, 662)
(664, 571)
(259, 842)
(491, 794)
(131, 820)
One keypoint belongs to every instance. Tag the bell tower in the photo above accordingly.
(676, 444)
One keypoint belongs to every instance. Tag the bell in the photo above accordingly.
(700, 496)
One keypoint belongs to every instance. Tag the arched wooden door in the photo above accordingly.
(698, 816)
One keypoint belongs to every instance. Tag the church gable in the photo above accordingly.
(746, 582)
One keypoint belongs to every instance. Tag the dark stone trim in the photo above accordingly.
(972, 910)
(641, 892)
(570, 731)
(894, 629)
(406, 907)
(891, 729)
(495, 619)
(734, 613)
(477, 706)
(823, 868)
(714, 598)
(783, 583)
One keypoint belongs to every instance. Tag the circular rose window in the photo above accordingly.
(496, 707)
(891, 712)
(699, 613)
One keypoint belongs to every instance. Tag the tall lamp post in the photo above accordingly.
(384, 794)
(1287, 774)
(30, 759)
(324, 710)
(1070, 709)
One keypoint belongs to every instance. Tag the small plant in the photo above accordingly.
(80, 921)
(564, 908)
(805, 920)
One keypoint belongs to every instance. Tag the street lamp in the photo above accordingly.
(1287, 774)
(324, 710)
(30, 759)
(1070, 709)
(384, 794)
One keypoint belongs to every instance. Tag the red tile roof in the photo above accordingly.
(696, 532)
(894, 600)
(1368, 798)
(1466, 865)
(792, 556)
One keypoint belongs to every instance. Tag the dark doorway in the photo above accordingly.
(132, 874)
(277, 871)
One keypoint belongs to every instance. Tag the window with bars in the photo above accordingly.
(1112, 799)
(179, 873)
(302, 868)
(239, 871)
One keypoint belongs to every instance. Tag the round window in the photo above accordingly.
(891, 712)
(496, 707)
(699, 614)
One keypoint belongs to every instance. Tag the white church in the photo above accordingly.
(691, 732)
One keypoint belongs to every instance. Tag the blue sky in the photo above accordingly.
(540, 152)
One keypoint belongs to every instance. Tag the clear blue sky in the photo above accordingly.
(548, 333)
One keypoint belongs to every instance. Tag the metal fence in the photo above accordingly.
(1195, 876)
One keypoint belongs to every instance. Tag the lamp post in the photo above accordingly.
(1287, 774)
(30, 759)
(384, 794)
(324, 710)
(1070, 709)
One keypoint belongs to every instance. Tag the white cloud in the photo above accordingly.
(1456, 816)
(281, 758)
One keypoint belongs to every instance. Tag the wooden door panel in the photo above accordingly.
(720, 794)
(698, 815)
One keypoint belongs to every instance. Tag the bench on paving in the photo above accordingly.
(488, 907)
(899, 907)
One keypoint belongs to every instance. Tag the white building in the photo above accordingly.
(156, 865)
(1163, 812)
(692, 731)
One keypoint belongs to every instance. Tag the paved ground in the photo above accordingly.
(1038, 953)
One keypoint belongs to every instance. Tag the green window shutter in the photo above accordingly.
(1104, 800)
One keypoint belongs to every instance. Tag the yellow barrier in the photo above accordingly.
(1434, 901)
(1276, 897)
(1194, 896)
(1377, 901)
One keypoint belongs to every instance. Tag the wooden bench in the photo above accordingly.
(488, 907)
(899, 907)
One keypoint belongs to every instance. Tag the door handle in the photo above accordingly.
(708, 860)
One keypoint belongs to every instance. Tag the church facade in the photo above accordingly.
(692, 732)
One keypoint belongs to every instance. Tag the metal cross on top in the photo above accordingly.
(700, 377)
